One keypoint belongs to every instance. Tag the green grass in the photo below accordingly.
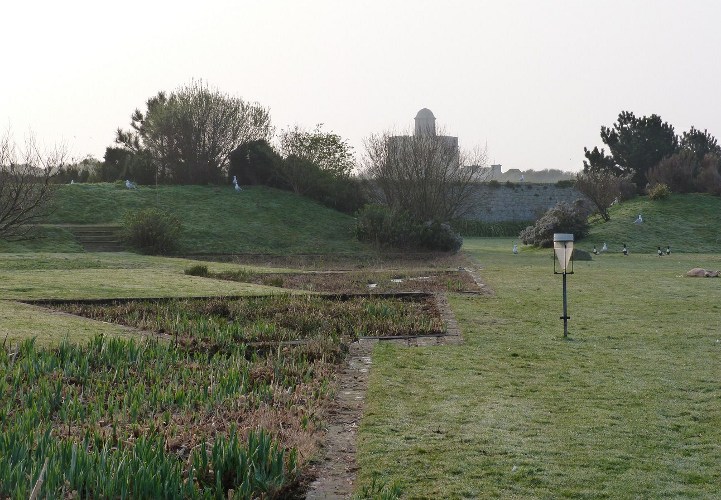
(626, 408)
(689, 223)
(95, 276)
(216, 220)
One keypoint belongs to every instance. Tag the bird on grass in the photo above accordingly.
(625, 250)
(660, 252)
(668, 249)
(515, 249)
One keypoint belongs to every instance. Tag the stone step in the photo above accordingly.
(97, 238)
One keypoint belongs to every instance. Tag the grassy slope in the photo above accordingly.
(215, 219)
(628, 408)
(689, 223)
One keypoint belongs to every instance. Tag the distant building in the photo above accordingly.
(425, 127)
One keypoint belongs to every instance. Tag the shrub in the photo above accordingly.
(198, 270)
(494, 183)
(659, 192)
(563, 218)
(436, 235)
(708, 179)
(152, 231)
(627, 188)
(565, 183)
(676, 172)
(379, 225)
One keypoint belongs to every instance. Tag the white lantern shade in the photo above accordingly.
(563, 248)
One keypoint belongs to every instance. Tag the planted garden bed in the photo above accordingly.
(225, 394)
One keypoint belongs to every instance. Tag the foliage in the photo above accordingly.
(382, 226)
(124, 164)
(81, 171)
(635, 145)
(436, 235)
(708, 179)
(426, 176)
(659, 192)
(189, 134)
(256, 163)
(677, 172)
(602, 188)
(317, 172)
(699, 144)
(563, 218)
(198, 270)
(26, 188)
(152, 231)
(379, 490)
(326, 150)
(125, 418)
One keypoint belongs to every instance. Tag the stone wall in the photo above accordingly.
(519, 202)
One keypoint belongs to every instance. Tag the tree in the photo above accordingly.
(635, 145)
(424, 175)
(300, 148)
(256, 162)
(699, 143)
(190, 133)
(25, 186)
(602, 188)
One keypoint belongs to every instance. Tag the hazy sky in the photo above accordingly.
(532, 79)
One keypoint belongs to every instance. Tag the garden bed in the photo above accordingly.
(221, 394)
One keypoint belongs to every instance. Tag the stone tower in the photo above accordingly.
(425, 123)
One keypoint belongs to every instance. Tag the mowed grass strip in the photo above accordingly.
(626, 408)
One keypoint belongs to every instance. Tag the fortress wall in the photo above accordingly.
(520, 202)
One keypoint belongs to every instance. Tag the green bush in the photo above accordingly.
(152, 231)
(563, 218)
(198, 270)
(381, 226)
(659, 192)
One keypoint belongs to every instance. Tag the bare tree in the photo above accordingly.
(601, 187)
(25, 186)
(427, 176)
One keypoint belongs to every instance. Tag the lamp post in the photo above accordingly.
(563, 253)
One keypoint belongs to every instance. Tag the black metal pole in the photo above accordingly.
(565, 308)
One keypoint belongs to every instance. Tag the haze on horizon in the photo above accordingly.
(532, 80)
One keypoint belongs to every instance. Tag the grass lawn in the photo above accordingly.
(216, 219)
(88, 276)
(628, 407)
